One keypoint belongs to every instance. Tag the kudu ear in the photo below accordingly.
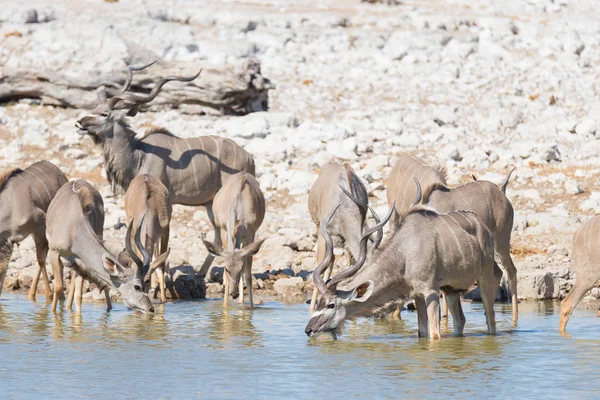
(113, 268)
(360, 293)
(252, 248)
(213, 248)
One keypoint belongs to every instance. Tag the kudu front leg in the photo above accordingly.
(71, 294)
(41, 252)
(226, 294)
(57, 270)
(320, 255)
(458, 316)
(210, 258)
(5, 253)
(421, 315)
(511, 271)
(432, 299)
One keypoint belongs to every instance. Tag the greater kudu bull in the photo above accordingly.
(428, 252)
(239, 209)
(347, 226)
(586, 262)
(192, 169)
(74, 228)
(148, 205)
(484, 198)
(25, 196)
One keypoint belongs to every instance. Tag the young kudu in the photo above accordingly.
(484, 198)
(192, 169)
(427, 253)
(348, 224)
(148, 200)
(239, 209)
(586, 262)
(74, 229)
(25, 196)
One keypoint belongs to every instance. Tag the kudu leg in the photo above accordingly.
(320, 255)
(71, 294)
(458, 316)
(107, 297)
(248, 278)
(5, 253)
(78, 293)
(488, 284)
(421, 315)
(569, 303)
(398, 311)
(432, 299)
(57, 270)
(226, 294)
(511, 271)
(444, 303)
(210, 258)
(41, 252)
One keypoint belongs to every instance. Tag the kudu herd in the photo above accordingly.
(442, 239)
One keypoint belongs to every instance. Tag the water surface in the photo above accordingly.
(193, 349)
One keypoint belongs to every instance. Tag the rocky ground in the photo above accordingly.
(479, 86)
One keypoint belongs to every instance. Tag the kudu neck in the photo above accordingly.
(121, 157)
(90, 251)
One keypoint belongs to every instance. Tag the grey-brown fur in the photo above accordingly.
(484, 198)
(586, 265)
(148, 199)
(348, 222)
(24, 197)
(428, 252)
(192, 169)
(74, 228)
(239, 209)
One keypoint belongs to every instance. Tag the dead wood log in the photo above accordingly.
(227, 92)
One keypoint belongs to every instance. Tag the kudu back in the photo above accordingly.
(239, 209)
(484, 198)
(428, 252)
(586, 264)
(25, 196)
(74, 228)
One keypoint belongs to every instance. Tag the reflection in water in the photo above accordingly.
(199, 349)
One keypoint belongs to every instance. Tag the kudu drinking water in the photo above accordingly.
(348, 223)
(239, 209)
(192, 169)
(148, 200)
(484, 198)
(586, 263)
(428, 252)
(24, 198)
(74, 230)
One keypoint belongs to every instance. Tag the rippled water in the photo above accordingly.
(196, 349)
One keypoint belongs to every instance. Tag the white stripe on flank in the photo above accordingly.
(40, 180)
(176, 146)
(206, 158)
(30, 186)
(437, 235)
(455, 239)
(193, 164)
(464, 215)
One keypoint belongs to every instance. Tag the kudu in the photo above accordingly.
(25, 196)
(347, 226)
(192, 169)
(586, 262)
(428, 252)
(74, 229)
(239, 209)
(148, 200)
(484, 198)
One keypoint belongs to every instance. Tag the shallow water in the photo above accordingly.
(196, 349)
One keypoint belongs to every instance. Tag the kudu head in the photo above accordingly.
(234, 261)
(335, 306)
(108, 118)
(145, 266)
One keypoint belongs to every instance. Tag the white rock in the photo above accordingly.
(573, 187)
(586, 127)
